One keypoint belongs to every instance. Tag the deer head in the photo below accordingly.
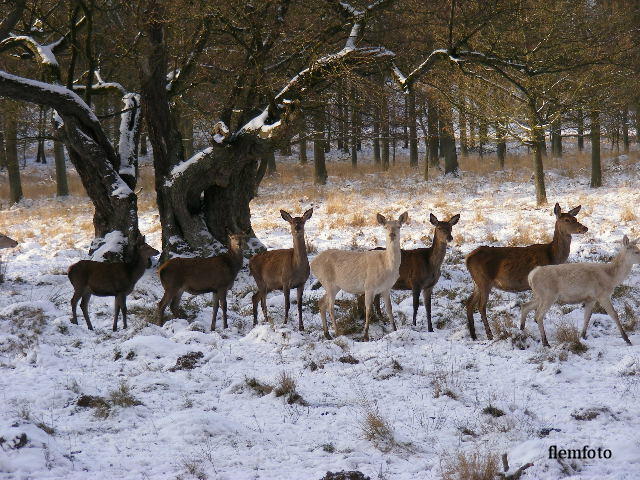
(6, 242)
(144, 249)
(392, 226)
(631, 250)
(297, 223)
(443, 229)
(566, 222)
(238, 241)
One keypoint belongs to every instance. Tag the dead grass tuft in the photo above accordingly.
(568, 335)
(122, 396)
(470, 466)
(377, 430)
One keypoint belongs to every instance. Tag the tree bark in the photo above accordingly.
(319, 164)
(13, 168)
(413, 132)
(406, 120)
(434, 134)
(596, 167)
(449, 141)
(62, 186)
(556, 137)
(376, 135)
(501, 145)
(41, 156)
(580, 130)
(270, 158)
(538, 167)
(302, 142)
(483, 134)
(384, 141)
(354, 130)
(462, 122)
(625, 128)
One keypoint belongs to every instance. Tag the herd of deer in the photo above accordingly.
(371, 274)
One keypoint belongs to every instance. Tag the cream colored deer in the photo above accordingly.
(372, 272)
(586, 283)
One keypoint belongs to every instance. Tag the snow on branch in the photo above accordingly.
(129, 131)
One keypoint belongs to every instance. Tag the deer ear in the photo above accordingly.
(574, 211)
(433, 219)
(307, 215)
(286, 216)
(557, 210)
(380, 218)
(453, 220)
(403, 218)
(625, 241)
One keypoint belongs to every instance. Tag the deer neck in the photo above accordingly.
(620, 268)
(235, 255)
(300, 251)
(437, 253)
(392, 252)
(560, 246)
(137, 268)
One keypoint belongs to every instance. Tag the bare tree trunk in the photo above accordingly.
(187, 134)
(625, 128)
(413, 133)
(449, 142)
(376, 135)
(538, 168)
(3, 151)
(384, 142)
(62, 186)
(556, 138)
(319, 164)
(270, 158)
(596, 167)
(472, 132)
(302, 142)
(13, 168)
(41, 156)
(501, 145)
(483, 134)
(143, 145)
(462, 122)
(580, 130)
(434, 134)
(406, 121)
(354, 130)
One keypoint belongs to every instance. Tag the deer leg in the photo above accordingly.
(484, 298)
(223, 301)
(368, 301)
(84, 306)
(541, 311)
(606, 304)
(74, 304)
(415, 293)
(426, 295)
(389, 308)
(588, 309)
(123, 309)
(162, 306)
(175, 305)
(376, 302)
(524, 311)
(263, 304)
(116, 312)
(287, 302)
(322, 306)
(216, 302)
(299, 292)
(255, 298)
(471, 305)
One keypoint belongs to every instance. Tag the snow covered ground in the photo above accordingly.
(426, 396)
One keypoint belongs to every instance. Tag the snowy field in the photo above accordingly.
(402, 406)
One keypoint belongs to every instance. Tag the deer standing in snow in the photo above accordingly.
(586, 283)
(102, 279)
(506, 268)
(372, 272)
(202, 275)
(282, 270)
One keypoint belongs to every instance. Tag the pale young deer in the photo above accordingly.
(282, 270)
(420, 267)
(108, 280)
(202, 275)
(372, 272)
(585, 283)
(506, 268)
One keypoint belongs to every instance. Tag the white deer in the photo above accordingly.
(587, 283)
(372, 272)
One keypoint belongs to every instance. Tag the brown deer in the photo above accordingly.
(6, 242)
(506, 268)
(282, 270)
(420, 267)
(108, 280)
(202, 275)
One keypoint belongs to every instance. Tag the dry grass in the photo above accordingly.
(470, 466)
(377, 430)
(628, 215)
(568, 335)
(122, 396)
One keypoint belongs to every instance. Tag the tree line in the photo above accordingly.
(216, 90)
